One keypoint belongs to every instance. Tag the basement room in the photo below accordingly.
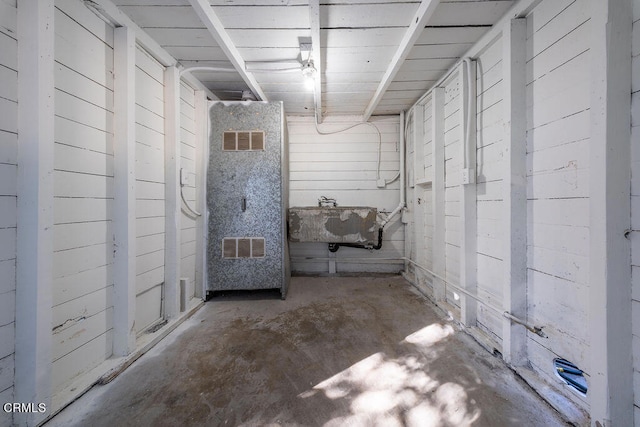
(320, 213)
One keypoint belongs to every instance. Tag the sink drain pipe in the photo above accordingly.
(333, 247)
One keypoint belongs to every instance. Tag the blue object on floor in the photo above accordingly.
(571, 374)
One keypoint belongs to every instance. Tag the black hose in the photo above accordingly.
(333, 247)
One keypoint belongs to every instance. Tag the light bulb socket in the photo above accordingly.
(308, 70)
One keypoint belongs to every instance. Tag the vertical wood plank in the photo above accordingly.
(418, 173)
(202, 160)
(314, 23)
(514, 284)
(34, 273)
(610, 321)
(468, 238)
(438, 193)
(172, 191)
(124, 302)
(418, 142)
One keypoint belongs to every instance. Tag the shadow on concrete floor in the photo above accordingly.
(343, 351)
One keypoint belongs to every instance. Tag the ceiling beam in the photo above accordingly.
(209, 18)
(314, 20)
(108, 11)
(118, 18)
(419, 21)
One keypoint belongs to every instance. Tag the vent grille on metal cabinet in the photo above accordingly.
(243, 247)
(243, 141)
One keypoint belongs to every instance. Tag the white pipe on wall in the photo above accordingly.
(402, 175)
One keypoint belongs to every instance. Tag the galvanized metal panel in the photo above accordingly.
(255, 177)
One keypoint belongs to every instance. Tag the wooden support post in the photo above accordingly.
(418, 174)
(314, 24)
(418, 143)
(468, 238)
(514, 283)
(173, 201)
(438, 193)
(416, 227)
(34, 264)
(332, 263)
(611, 383)
(210, 19)
(423, 14)
(124, 268)
(202, 160)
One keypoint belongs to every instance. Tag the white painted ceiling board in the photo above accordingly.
(163, 16)
(258, 2)
(456, 34)
(266, 78)
(372, 2)
(271, 17)
(353, 77)
(401, 94)
(182, 36)
(288, 87)
(415, 85)
(267, 54)
(469, 13)
(358, 39)
(219, 86)
(220, 80)
(450, 50)
(349, 86)
(427, 64)
(353, 96)
(367, 16)
(256, 37)
(357, 64)
(149, 2)
(195, 53)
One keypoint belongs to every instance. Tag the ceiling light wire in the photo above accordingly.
(378, 160)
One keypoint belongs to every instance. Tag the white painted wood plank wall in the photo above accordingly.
(419, 195)
(83, 191)
(427, 196)
(635, 206)
(411, 245)
(557, 99)
(8, 169)
(82, 286)
(490, 149)
(558, 91)
(343, 166)
(452, 182)
(150, 191)
(188, 163)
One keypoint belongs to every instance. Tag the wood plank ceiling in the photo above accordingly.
(358, 41)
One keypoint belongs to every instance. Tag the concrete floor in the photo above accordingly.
(337, 352)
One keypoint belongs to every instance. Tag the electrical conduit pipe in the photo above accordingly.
(402, 203)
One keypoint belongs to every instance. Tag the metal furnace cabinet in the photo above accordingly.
(247, 197)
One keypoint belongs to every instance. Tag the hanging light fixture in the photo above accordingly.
(309, 74)
(308, 69)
